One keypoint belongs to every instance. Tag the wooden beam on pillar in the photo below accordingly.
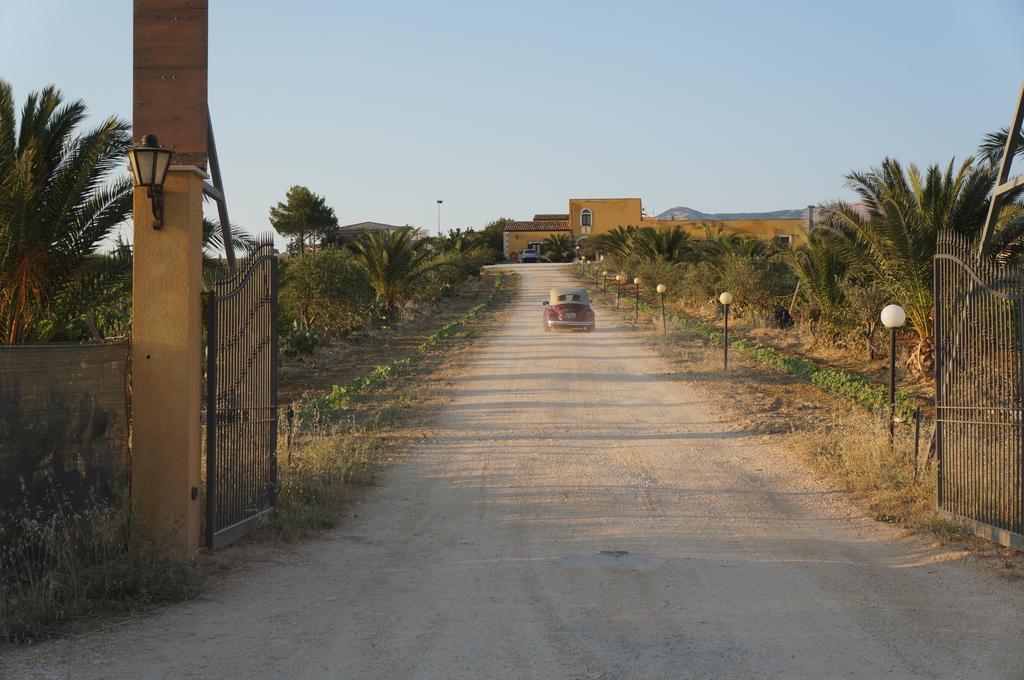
(1004, 185)
(169, 77)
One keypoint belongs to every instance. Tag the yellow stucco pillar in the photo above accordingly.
(166, 364)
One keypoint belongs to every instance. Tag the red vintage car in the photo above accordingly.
(569, 308)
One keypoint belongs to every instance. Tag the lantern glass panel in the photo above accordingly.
(163, 161)
(143, 164)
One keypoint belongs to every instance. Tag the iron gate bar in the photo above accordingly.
(979, 330)
(241, 469)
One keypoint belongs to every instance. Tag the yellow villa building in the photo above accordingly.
(596, 216)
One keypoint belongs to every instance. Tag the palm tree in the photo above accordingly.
(59, 199)
(820, 265)
(724, 244)
(395, 262)
(458, 241)
(992, 145)
(617, 243)
(902, 215)
(558, 248)
(832, 276)
(668, 245)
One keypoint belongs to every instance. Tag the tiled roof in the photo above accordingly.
(538, 225)
(548, 217)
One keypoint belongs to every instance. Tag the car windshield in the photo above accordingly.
(564, 296)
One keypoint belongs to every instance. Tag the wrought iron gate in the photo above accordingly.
(979, 390)
(241, 399)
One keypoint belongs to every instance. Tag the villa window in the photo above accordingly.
(586, 218)
(586, 229)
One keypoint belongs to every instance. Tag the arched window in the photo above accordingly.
(586, 218)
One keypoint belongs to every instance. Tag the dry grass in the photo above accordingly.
(76, 563)
(316, 480)
(854, 450)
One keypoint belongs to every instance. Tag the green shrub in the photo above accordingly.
(301, 341)
(326, 290)
(446, 272)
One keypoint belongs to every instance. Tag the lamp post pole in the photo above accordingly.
(636, 282)
(664, 324)
(893, 317)
(618, 288)
(892, 385)
(726, 300)
(439, 202)
(604, 281)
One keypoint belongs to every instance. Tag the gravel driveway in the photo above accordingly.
(580, 513)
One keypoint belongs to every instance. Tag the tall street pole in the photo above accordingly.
(439, 202)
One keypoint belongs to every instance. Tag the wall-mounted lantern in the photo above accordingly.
(149, 163)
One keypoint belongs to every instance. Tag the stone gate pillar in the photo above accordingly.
(167, 286)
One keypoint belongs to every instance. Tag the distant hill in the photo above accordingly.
(684, 213)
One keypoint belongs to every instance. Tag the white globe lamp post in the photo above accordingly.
(661, 291)
(636, 283)
(726, 300)
(893, 318)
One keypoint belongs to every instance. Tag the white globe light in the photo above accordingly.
(893, 316)
(662, 288)
(604, 273)
(725, 298)
(636, 281)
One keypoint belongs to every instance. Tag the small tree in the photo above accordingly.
(303, 214)
(326, 290)
(493, 237)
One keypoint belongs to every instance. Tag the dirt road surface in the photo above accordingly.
(498, 549)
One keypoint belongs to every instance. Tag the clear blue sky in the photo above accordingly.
(506, 109)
